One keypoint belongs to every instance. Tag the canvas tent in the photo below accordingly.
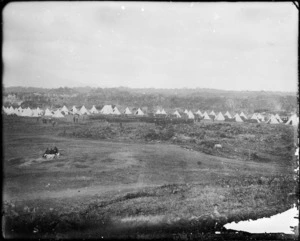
(83, 111)
(243, 115)
(158, 112)
(237, 118)
(48, 112)
(278, 118)
(199, 113)
(163, 112)
(57, 114)
(116, 111)
(27, 112)
(74, 110)
(206, 116)
(65, 109)
(127, 111)
(107, 110)
(272, 120)
(190, 115)
(186, 111)
(94, 110)
(293, 120)
(220, 117)
(254, 117)
(35, 113)
(139, 112)
(260, 117)
(228, 115)
(212, 113)
(176, 113)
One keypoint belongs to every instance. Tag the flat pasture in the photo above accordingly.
(141, 179)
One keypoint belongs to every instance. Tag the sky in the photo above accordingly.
(220, 45)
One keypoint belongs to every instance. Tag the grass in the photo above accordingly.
(116, 188)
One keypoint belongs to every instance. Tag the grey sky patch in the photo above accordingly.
(238, 46)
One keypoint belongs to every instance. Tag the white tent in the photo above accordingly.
(186, 111)
(190, 115)
(293, 120)
(94, 110)
(35, 113)
(212, 113)
(199, 113)
(65, 109)
(40, 112)
(163, 112)
(206, 116)
(106, 110)
(260, 117)
(278, 118)
(176, 113)
(127, 111)
(228, 115)
(243, 115)
(27, 112)
(220, 117)
(48, 112)
(139, 112)
(57, 114)
(74, 110)
(254, 117)
(272, 120)
(237, 118)
(158, 112)
(116, 111)
(83, 111)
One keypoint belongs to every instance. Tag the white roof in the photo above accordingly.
(220, 117)
(238, 118)
(107, 109)
(127, 111)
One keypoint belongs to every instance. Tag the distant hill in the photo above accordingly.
(194, 99)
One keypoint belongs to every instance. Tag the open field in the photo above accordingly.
(141, 179)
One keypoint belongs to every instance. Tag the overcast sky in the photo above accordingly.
(231, 46)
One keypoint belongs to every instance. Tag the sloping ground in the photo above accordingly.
(112, 189)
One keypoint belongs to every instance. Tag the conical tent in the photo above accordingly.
(57, 114)
(176, 113)
(199, 113)
(94, 110)
(39, 111)
(293, 120)
(220, 117)
(186, 111)
(35, 113)
(260, 117)
(278, 118)
(158, 112)
(27, 112)
(74, 110)
(83, 111)
(190, 115)
(206, 116)
(127, 111)
(48, 112)
(254, 117)
(238, 118)
(212, 113)
(65, 109)
(243, 115)
(272, 120)
(228, 115)
(163, 112)
(106, 110)
(116, 111)
(139, 112)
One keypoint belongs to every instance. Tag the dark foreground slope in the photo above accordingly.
(137, 187)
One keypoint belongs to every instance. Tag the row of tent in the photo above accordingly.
(109, 110)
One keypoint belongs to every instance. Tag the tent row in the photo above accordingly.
(110, 110)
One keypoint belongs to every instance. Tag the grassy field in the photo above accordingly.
(141, 179)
